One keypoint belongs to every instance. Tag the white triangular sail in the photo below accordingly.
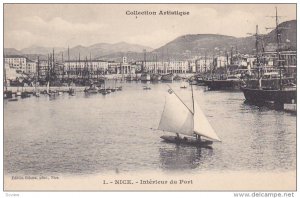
(201, 125)
(176, 117)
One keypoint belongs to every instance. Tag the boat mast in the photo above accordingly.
(180, 99)
(37, 74)
(278, 56)
(193, 98)
(278, 39)
(156, 63)
(63, 66)
(226, 66)
(53, 65)
(80, 69)
(48, 68)
(68, 63)
(144, 63)
(91, 66)
(256, 48)
(204, 62)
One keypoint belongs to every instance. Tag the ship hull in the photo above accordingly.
(187, 141)
(288, 96)
(223, 84)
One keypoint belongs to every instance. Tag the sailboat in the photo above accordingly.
(180, 119)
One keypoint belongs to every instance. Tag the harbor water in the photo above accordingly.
(94, 133)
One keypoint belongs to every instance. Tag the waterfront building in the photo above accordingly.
(288, 60)
(203, 64)
(16, 62)
(114, 67)
(165, 67)
(10, 72)
(31, 67)
(85, 68)
(125, 67)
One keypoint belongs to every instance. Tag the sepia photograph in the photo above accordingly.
(150, 97)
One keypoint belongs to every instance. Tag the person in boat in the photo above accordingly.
(198, 137)
(177, 136)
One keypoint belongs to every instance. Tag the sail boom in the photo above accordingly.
(189, 135)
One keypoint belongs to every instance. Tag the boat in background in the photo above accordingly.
(277, 94)
(167, 77)
(193, 124)
(105, 90)
(155, 77)
(184, 85)
(25, 94)
(146, 88)
(92, 89)
(36, 92)
(177, 78)
(145, 77)
(232, 82)
(7, 94)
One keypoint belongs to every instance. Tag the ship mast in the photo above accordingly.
(68, 63)
(256, 48)
(278, 40)
(193, 98)
(278, 56)
(38, 69)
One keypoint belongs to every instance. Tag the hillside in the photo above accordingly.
(96, 50)
(181, 48)
(192, 45)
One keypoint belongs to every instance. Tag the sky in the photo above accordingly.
(63, 25)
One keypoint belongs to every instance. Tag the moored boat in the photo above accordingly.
(92, 89)
(145, 77)
(231, 83)
(155, 77)
(167, 77)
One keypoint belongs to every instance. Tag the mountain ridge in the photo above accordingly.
(188, 46)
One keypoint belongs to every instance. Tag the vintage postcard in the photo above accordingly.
(149, 97)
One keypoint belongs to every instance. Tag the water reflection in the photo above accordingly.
(180, 157)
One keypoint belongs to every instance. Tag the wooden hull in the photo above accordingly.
(25, 94)
(145, 77)
(7, 94)
(187, 141)
(177, 78)
(167, 77)
(287, 96)
(155, 77)
(200, 81)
